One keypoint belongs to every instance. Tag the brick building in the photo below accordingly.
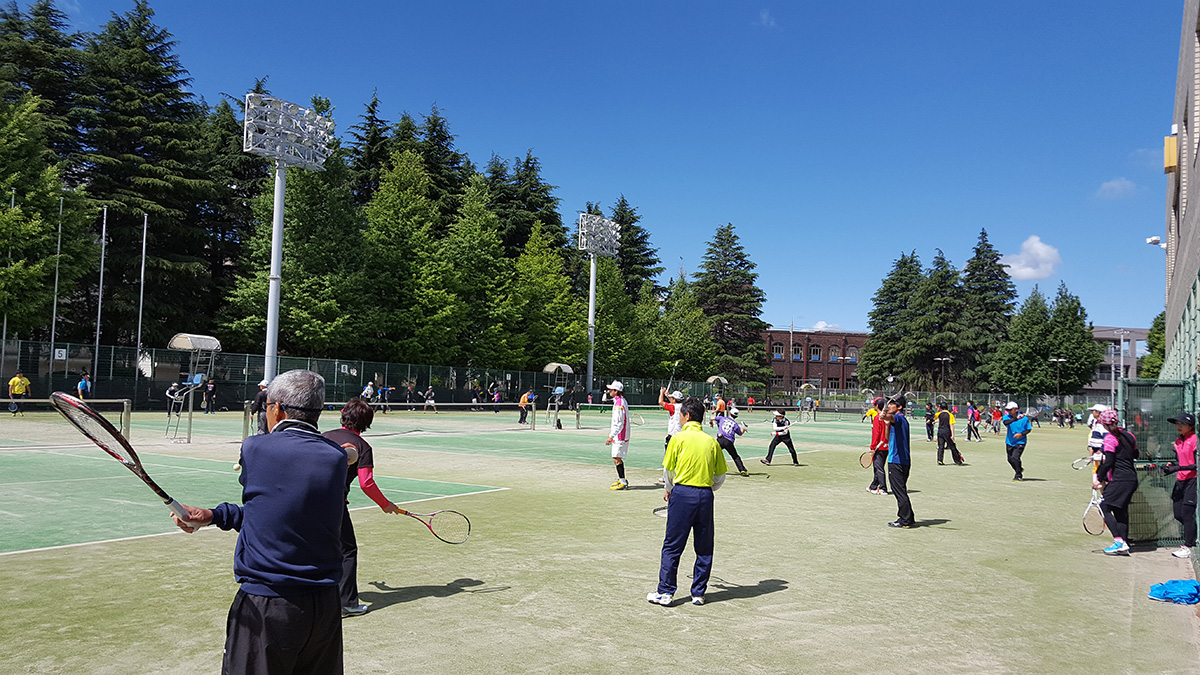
(822, 358)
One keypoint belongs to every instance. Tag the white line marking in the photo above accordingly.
(163, 534)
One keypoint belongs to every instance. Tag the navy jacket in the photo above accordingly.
(293, 494)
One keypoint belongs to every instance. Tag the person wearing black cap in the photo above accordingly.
(945, 437)
(1183, 495)
(899, 461)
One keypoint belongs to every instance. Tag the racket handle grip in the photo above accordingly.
(180, 512)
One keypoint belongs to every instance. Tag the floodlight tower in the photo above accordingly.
(292, 136)
(597, 236)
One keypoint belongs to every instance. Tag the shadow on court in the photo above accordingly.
(730, 591)
(932, 522)
(644, 487)
(386, 596)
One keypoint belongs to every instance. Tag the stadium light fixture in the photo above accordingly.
(944, 360)
(597, 236)
(1156, 241)
(292, 136)
(1057, 378)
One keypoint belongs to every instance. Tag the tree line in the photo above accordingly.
(402, 249)
(939, 328)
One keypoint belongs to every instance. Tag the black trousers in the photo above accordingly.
(524, 414)
(786, 440)
(879, 464)
(1014, 459)
(348, 586)
(929, 430)
(1183, 497)
(299, 634)
(898, 475)
(945, 440)
(728, 446)
(973, 428)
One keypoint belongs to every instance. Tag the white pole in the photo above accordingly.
(12, 204)
(272, 351)
(99, 297)
(137, 354)
(591, 324)
(54, 312)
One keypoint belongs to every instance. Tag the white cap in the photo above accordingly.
(1010, 405)
(677, 394)
(779, 413)
(733, 412)
(264, 383)
(616, 386)
(1099, 407)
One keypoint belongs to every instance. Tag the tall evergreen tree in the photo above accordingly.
(370, 151)
(1071, 339)
(990, 297)
(400, 219)
(39, 55)
(1022, 364)
(935, 321)
(226, 210)
(141, 157)
(726, 290)
(684, 334)
(637, 259)
(884, 355)
(550, 320)
(623, 344)
(1150, 365)
(448, 168)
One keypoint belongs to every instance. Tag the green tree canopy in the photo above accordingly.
(1151, 364)
(884, 355)
(726, 289)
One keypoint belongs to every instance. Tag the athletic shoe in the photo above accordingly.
(615, 483)
(896, 523)
(1117, 548)
(795, 463)
(355, 611)
(765, 462)
(697, 599)
(657, 598)
(1016, 479)
(743, 472)
(620, 485)
(871, 490)
(1183, 552)
(941, 464)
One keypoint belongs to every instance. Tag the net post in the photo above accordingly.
(126, 417)
(246, 419)
(533, 415)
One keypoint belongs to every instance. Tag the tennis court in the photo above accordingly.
(999, 577)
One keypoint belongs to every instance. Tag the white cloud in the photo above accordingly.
(1116, 189)
(824, 325)
(1035, 261)
(765, 19)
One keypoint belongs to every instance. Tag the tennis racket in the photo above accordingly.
(1081, 462)
(637, 420)
(661, 512)
(867, 459)
(101, 432)
(12, 407)
(451, 527)
(1093, 520)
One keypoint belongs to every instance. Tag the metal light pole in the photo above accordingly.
(1058, 379)
(943, 359)
(54, 311)
(598, 236)
(292, 136)
(12, 204)
(137, 352)
(99, 297)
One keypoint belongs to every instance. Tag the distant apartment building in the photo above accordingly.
(1116, 340)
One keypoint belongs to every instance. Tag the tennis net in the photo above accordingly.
(392, 419)
(33, 422)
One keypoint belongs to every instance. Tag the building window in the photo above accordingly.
(777, 351)
(797, 383)
(834, 353)
(852, 383)
(776, 382)
(835, 383)
(814, 353)
(852, 354)
(797, 353)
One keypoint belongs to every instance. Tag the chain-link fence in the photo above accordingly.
(1145, 406)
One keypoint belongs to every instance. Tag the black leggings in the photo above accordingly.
(972, 429)
(728, 446)
(1185, 513)
(786, 440)
(1117, 520)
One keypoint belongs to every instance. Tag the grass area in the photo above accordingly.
(999, 578)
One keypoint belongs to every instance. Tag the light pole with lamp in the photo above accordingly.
(944, 360)
(292, 136)
(597, 236)
(1057, 379)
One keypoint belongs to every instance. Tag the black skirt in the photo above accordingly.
(1118, 493)
(1184, 491)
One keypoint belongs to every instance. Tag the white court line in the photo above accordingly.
(177, 531)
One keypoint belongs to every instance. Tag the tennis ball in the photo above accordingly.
(237, 466)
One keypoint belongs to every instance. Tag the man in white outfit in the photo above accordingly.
(618, 433)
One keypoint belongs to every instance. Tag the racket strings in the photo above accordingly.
(450, 526)
(98, 430)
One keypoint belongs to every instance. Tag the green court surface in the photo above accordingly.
(999, 577)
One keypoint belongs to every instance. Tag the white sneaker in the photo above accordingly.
(355, 611)
(657, 598)
(697, 599)
(1183, 552)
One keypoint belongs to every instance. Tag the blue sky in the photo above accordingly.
(833, 135)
